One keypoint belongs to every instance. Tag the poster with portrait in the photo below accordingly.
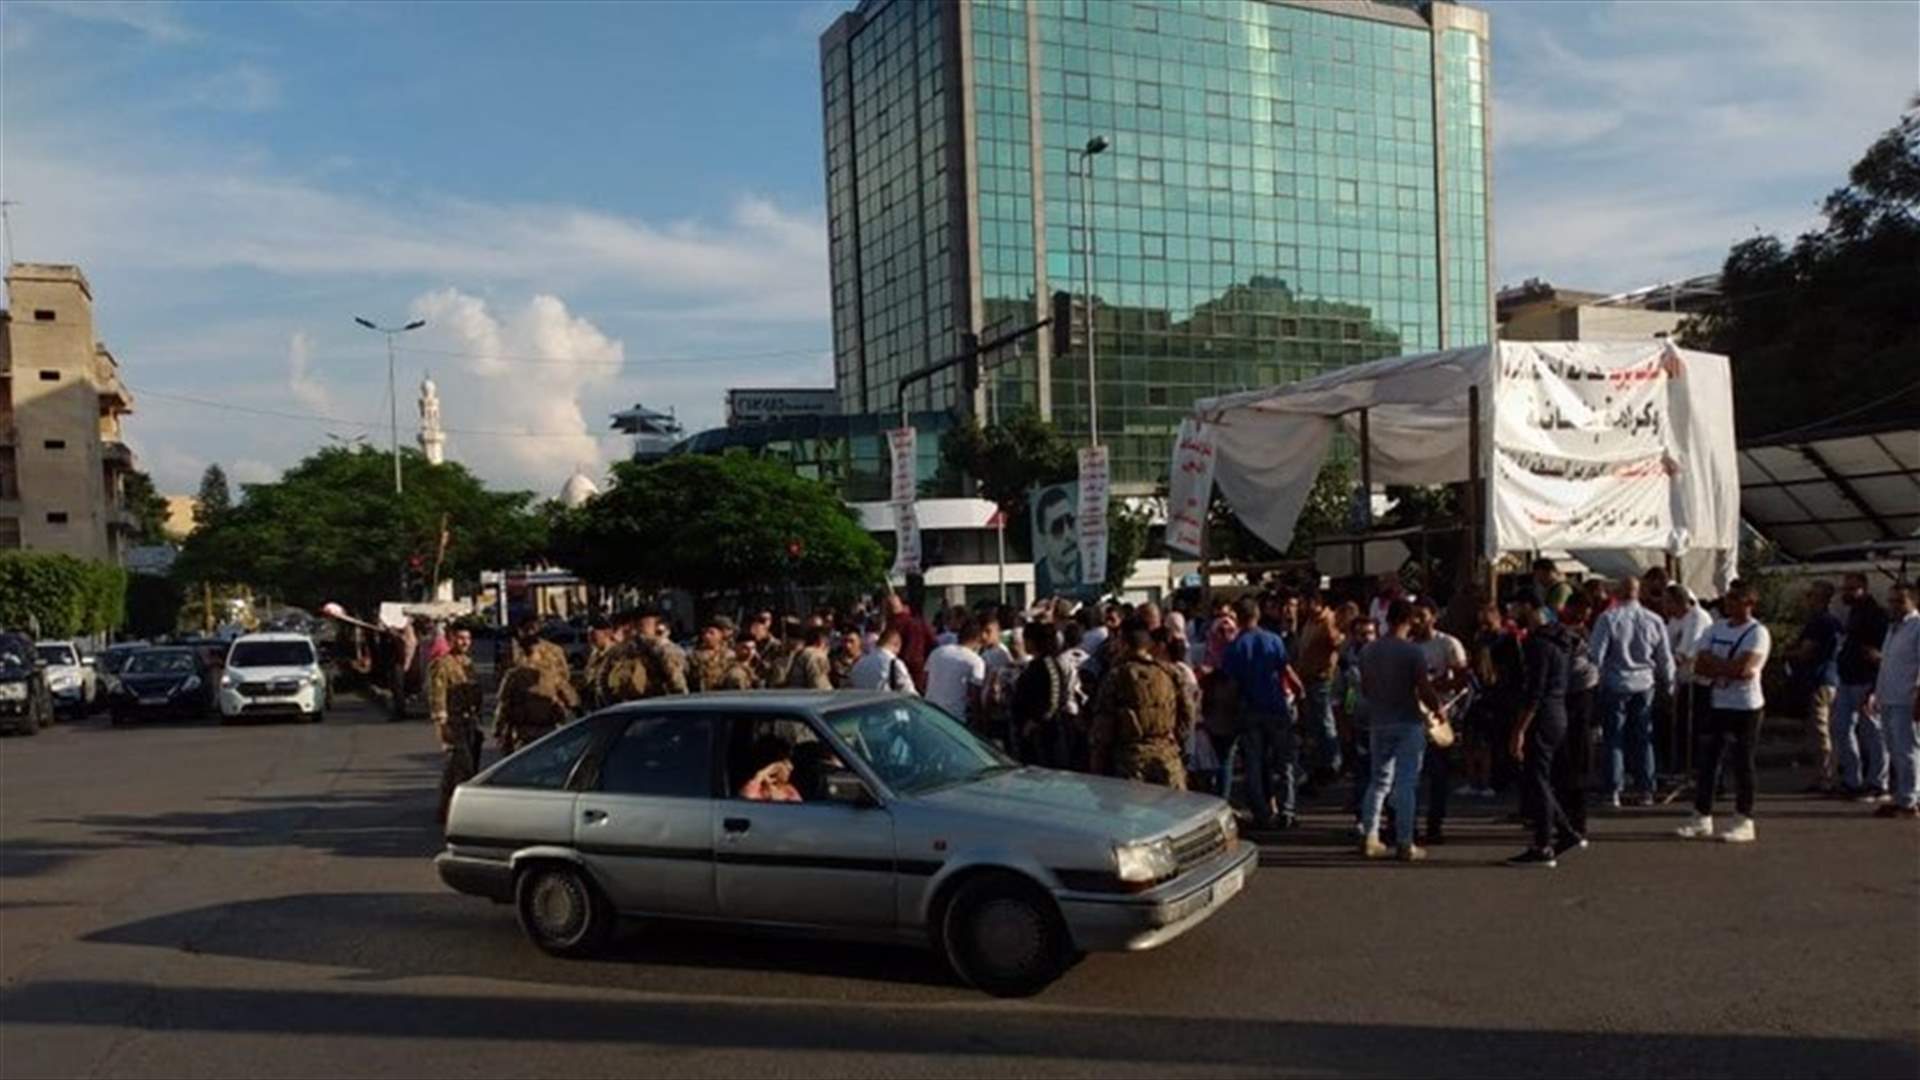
(1055, 513)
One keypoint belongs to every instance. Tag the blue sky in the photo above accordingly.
(601, 204)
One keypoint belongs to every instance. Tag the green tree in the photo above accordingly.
(712, 524)
(1824, 330)
(60, 596)
(148, 506)
(331, 528)
(215, 497)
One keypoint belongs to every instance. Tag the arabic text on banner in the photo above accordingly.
(1190, 486)
(1092, 520)
(906, 484)
(906, 531)
(1585, 456)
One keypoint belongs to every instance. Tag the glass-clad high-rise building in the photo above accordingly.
(1285, 187)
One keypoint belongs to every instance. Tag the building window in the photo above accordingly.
(49, 376)
(9, 533)
(43, 315)
(55, 444)
(56, 517)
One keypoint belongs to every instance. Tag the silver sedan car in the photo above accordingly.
(859, 815)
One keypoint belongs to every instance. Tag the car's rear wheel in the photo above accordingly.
(1003, 934)
(561, 910)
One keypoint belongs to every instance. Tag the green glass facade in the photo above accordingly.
(1288, 187)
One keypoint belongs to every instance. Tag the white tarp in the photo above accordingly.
(1585, 445)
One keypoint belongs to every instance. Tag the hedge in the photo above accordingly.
(58, 596)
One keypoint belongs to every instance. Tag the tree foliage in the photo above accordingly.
(60, 596)
(215, 497)
(710, 524)
(332, 528)
(1825, 329)
(148, 506)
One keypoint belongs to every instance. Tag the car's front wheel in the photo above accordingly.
(561, 910)
(1004, 935)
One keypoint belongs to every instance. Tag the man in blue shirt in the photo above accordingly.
(1629, 646)
(1814, 674)
(1255, 662)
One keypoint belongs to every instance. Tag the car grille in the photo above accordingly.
(1190, 849)
(276, 688)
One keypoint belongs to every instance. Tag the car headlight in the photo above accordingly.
(1147, 862)
(66, 680)
(1230, 828)
(228, 679)
(192, 683)
(13, 691)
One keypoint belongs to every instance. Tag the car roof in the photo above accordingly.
(765, 701)
(272, 637)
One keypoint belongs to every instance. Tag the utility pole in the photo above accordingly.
(1094, 146)
(393, 396)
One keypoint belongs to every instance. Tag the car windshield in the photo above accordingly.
(160, 663)
(57, 654)
(915, 748)
(248, 654)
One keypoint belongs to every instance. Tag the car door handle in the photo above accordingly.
(736, 824)
(593, 817)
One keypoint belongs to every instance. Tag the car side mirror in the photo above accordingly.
(845, 786)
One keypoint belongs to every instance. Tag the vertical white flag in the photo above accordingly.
(1092, 517)
(1190, 486)
(906, 531)
(906, 481)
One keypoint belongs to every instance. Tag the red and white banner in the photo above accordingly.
(906, 532)
(906, 484)
(1091, 520)
(1190, 486)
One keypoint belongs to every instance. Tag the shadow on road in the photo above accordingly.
(1030, 1031)
(391, 823)
(29, 858)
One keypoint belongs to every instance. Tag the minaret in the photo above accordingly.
(433, 441)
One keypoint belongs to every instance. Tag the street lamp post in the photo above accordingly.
(393, 397)
(1094, 146)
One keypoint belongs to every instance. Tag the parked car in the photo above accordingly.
(273, 674)
(168, 682)
(70, 677)
(903, 826)
(25, 704)
(109, 660)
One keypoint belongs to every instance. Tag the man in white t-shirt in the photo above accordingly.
(956, 673)
(880, 668)
(1733, 654)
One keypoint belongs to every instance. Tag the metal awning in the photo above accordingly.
(1814, 492)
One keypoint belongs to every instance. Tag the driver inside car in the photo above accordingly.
(772, 765)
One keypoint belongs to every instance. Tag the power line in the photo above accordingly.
(524, 358)
(319, 418)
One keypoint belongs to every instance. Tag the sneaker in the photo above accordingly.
(1466, 791)
(1372, 848)
(1872, 796)
(1645, 798)
(1569, 843)
(1487, 793)
(1700, 828)
(1613, 800)
(1533, 857)
(1410, 853)
(1741, 833)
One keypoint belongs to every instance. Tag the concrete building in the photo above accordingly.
(62, 459)
(1282, 187)
(1540, 311)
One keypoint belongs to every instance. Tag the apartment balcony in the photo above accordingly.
(116, 454)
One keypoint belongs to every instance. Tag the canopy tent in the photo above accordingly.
(1586, 446)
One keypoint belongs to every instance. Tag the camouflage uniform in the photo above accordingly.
(776, 661)
(453, 701)
(536, 695)
(709, 670)
(644, 667)
(592, 677)
(810, 669)
(1139, 720)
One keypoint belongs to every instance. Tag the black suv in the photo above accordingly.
(25, 704)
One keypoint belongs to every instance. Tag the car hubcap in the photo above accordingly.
(559, 907)
(1008, 936)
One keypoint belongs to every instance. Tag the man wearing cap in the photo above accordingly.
(600, 642)
(712, 665)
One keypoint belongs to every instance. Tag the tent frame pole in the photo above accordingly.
(1476, 517)
(1366, 494)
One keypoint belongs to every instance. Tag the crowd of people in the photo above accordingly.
(1273, 694)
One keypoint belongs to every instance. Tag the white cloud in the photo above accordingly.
(243, 88)
(495, 386)
(306, 386)
(150, 18)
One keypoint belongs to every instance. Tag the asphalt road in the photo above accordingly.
(259, 901)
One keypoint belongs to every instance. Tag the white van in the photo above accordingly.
(269, 674)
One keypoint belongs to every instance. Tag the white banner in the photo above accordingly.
(1585, 455)
(1190, 486)
(1092, 517)
(906, 532)
(906, 483)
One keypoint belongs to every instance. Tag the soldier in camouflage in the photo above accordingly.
(1140, 717)
(453, 701)
(601, 639)
(536, 694)
(713, 666)
(811, 668)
